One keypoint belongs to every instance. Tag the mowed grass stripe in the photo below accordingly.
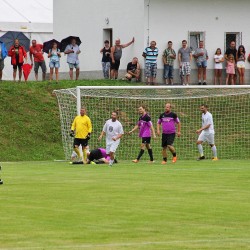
(189, 205)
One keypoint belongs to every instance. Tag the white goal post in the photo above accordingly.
(230, 106)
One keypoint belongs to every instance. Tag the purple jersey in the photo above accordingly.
(144, 125)
(104, 154)
(168, 120)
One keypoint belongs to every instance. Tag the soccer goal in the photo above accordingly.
(230, 106)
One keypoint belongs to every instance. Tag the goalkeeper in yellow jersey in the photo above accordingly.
(81, 129)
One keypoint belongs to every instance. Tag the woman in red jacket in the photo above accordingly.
(17, 54)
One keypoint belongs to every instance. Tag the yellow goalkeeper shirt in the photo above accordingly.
(82, 126)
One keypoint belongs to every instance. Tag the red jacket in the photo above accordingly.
(12, 53)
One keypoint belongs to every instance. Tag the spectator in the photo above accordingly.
(218, 60)
(36, 50)
(184, 58)
(230, 70)
(168, 58)
(3, 54)
(54, 55)
(72, 51)
(151, 54)
(240, 59)
(106, 59)
(133, 70)
(231, 51)
(17, 54)
(201, 57)
(116, 54)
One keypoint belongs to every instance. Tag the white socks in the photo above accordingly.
(214, 149)
(200, 148)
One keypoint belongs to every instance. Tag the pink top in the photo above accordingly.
(230, 68)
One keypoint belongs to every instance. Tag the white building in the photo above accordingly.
(33, 18)
(216, 22)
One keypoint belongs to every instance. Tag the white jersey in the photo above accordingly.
(112, 129)
(208, 119)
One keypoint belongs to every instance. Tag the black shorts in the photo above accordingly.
(19, 66)
(115, 65)
(146, 140)
(78, 142)
(167, 140)
(95, 154)
(40, 64)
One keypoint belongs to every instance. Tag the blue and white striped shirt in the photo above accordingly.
(151, 55)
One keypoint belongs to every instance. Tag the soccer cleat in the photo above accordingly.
(92, 162)
(135, 161)
(163, 162)
(1, 181)
(151, 162)
(110, 164)
(201, 158)
(215, 159)
(174, 159)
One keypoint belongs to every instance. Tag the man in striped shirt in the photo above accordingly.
(151, 54)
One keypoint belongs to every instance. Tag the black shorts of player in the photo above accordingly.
(115, 65)
(95, 154)
(19, 66)
(146, 140)
(167, 140)
(78, 142)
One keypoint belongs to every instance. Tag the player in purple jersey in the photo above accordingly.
(167, 121)
(145, 127)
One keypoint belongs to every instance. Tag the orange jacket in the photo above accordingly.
(12, 54)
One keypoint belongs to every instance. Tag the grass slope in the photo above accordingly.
(29, 118)
(189, 205)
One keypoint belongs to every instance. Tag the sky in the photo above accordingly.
(35, 11)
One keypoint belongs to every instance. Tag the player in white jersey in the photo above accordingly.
(206, 133)
(113, 130)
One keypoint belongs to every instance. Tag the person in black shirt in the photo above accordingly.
(232, 51)
(133, 70)
(106, 59)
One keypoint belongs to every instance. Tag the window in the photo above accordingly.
(233, 36)
(194, 38)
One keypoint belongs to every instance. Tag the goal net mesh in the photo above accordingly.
(230, 108)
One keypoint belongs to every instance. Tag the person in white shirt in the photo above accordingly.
(114, 131)
(206, 133)
(72, 51)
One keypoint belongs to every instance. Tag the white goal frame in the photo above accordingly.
(79, 88)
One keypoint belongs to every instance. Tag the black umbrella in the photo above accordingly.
(67, 41)
(48, 45)
(9, 37)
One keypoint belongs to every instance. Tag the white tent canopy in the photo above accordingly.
(32, 17)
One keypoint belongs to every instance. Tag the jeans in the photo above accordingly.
(105, 69)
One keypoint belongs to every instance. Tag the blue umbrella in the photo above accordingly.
(9, 37)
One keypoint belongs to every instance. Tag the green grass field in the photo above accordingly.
(189, 205)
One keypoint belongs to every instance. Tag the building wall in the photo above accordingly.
(172, 20)
(168, 20)
(86, 19)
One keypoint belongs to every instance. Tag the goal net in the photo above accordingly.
(229, 105)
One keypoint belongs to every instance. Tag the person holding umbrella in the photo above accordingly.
(3, 54)
(18, 55)
(36, 51)
(72, 51)
(54, 55)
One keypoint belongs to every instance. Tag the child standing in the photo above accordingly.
(230, 69)
(218, 60)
